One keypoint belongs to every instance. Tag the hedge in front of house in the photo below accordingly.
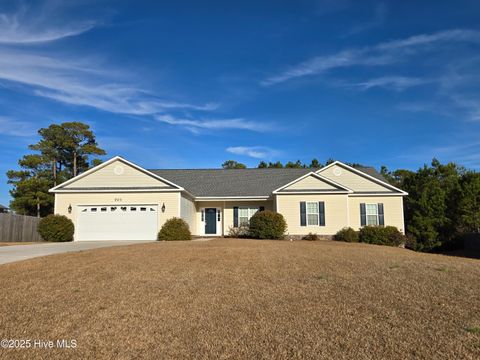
(346, 234)
(175, 229)
(267, 225)
(56, 228)
(388, 235)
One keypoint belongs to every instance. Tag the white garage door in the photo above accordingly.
(117, 222)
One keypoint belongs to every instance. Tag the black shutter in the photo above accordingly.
(262, 208)
(363, 215)
(321, 213)
(235, 216)
(381, 216)
(303, 214)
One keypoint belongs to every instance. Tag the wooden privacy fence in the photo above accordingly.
(19, 228)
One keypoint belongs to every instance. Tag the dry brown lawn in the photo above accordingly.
(244, 299)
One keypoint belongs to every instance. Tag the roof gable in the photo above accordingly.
(356, 180)
(117, 174)
(312, 182)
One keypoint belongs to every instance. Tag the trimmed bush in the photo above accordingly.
(346, 234)
(241, 231)
(267, 225)
(388, 235)
(311, 237)
(56, 228)
(175, 229)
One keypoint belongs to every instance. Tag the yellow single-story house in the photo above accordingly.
(119, 200)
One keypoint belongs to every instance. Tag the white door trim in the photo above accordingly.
(218, 218)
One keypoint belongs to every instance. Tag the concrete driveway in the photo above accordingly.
(9, 254)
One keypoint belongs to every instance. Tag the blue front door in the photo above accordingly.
(211, 221)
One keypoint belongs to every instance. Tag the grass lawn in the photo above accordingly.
(244, 299)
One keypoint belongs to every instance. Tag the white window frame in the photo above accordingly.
(250, 212)
(312, 213)
(377, 221)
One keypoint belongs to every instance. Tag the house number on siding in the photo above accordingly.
(118, 199)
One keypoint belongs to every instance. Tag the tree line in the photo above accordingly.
(314, 164)
(442, 205)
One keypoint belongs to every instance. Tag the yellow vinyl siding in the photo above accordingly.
(392, 208)
(226, 207)
(336, 214)
(311, 183)
(188, 212)
(106, 177)
(229, 205)
(352, 180)
(170, 199)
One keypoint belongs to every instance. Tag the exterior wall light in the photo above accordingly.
(69, 209)
(163, 208)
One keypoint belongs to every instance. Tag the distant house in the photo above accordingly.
(119, 200)
(3, 209)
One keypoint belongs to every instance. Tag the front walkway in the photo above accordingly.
(15, 253)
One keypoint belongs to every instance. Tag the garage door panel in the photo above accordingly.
(117, 222)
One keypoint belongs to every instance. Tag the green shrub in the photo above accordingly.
(56, 228)
(311, 237)
(346, 234)
(410, 242)
(388, 235)
(241, 231)
(175, 229)
(267, 225)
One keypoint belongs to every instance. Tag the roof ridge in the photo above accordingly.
(311, 169)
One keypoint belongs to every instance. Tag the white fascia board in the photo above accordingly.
(318, 176)
(340, 192)
(378, 194)
(102, 165)
(77, 191)
(232, 198)
(378, 181)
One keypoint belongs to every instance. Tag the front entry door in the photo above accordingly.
(211, 221)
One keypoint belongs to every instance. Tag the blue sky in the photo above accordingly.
(191, 84)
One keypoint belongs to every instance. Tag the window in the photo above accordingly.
(312, 213)
(244, 214)
(372, 214)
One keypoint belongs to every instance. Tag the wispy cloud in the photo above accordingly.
(195, 125)
(257, 152)
(29, 25)
(12, 127)
(85, 80)
(378, 55)
(397, 83)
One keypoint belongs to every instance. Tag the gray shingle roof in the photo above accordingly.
(372, 172)
(231, 182)
(237, 182)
